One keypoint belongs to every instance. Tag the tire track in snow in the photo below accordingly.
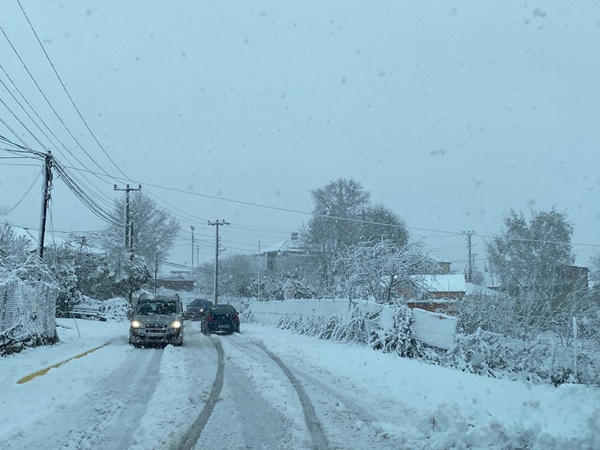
(192, 436)
(357, 423)
(106, 417)
(312, 422)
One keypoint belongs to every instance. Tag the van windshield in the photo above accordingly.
(157, 308)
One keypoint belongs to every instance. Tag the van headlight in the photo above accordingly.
(136, 324)
(176, 324)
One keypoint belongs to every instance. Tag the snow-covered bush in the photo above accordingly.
(361, 327)
(540, 360)
(399, 338)
(392, 330)
(113, 309)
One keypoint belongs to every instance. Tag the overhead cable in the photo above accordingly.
(67, 92)
(26, 193)
(53, 109)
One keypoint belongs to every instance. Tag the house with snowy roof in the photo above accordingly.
(437, 292)
(286, 247)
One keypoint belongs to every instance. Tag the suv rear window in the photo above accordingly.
(223, 309)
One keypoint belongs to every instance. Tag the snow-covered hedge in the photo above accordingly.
(540, 360)
(361, 327)
(483, 353)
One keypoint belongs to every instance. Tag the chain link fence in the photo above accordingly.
(27, 314)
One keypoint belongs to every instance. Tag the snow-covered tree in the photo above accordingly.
(344, 217)
(529, 255)
(382, 224)
(14, 249)
(237, 275)
(383, 270)
(154, 230)
(532, 259)
(83, 270)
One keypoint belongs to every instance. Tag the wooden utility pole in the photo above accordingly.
(193, 228)
(128, 226)
(217, 224)
(155, 269)
(469, 234)
(128, 231)
(47, 186)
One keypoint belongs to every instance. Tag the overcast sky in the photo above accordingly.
(449, 113)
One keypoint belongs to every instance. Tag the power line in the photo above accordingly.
(41, 120)
(53, 109)
(22, 124)
(67, 92)
(26, 193)
(13, 132)
(430, 230)
(85, 198)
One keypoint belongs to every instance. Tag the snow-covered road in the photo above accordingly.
(270, 389)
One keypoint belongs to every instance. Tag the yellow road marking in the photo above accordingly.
(45, 371)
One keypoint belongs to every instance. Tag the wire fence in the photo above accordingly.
(27, 314)
(540, 360)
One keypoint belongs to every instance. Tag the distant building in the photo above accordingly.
(567, 280)
(443, 265)
(288, 247)
(176, 280)
(437, 292)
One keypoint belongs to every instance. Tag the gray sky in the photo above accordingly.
(448, 113)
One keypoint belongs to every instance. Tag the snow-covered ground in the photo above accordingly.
(268, 388)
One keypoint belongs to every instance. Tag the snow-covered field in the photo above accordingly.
(273, 383)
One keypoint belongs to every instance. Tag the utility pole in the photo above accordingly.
(258, 279)
(128, 226)
(192, 227)
(155, 269)
(217, 224)
(128, 231)
(47, 187)
(469, 234)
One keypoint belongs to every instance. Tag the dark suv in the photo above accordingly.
(156, 320)
(195, 310)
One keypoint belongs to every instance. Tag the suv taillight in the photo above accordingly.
(209, 318)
